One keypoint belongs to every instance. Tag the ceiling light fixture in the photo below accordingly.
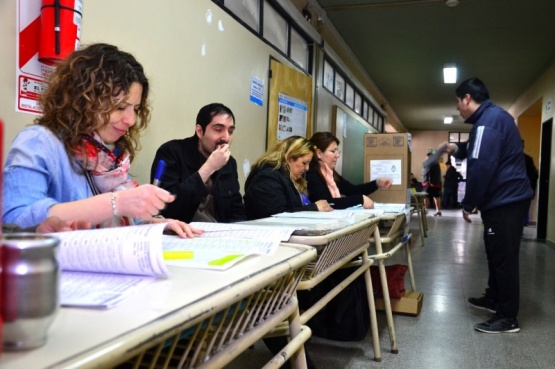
(451, 3)
(448, 119)
(450, 73)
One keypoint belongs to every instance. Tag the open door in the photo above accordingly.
(545, 163)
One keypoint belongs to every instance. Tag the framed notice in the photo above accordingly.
(292, 117)
(290, 104)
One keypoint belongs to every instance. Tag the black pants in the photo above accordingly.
(503, 228)
(449, 199)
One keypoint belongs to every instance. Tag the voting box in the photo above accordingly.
(388, 155)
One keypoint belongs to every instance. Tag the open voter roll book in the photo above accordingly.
(101, 267)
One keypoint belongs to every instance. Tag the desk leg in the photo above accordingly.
(409, 264)
(372, 308)
(385, 291)
(299, 358)
(424, 218)
(421, 211)
(422, 230)
(294, 350)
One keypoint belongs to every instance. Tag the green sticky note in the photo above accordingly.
(226, 259)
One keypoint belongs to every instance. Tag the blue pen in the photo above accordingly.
(159, 172)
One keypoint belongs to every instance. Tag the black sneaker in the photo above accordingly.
(438, 214)
(483, 303)
(498, 324)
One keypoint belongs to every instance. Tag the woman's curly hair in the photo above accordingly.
(83, 91)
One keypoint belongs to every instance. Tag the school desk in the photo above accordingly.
(338, 242)
(197, 318)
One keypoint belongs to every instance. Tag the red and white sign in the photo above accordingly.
(31, 74)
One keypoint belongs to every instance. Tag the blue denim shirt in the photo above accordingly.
(37, 175)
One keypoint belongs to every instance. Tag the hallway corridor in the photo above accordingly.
(448, 270)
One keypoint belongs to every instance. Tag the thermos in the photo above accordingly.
(30, 283)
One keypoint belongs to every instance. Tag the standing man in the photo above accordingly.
(497, 186)
(201, 172)
(451, 181)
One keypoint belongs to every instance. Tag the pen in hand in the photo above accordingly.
(159, 172)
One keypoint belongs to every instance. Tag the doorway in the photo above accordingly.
(545, 163)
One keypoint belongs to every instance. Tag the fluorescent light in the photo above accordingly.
(448, 119)
(449, 73)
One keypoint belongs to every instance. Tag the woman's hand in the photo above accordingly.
(55, 224)
(142, 202)
(367, 202)
(180, 228)
(323, 205)
(383, 184)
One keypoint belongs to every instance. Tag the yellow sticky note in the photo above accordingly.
(178, 255)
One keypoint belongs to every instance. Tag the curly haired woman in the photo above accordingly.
(74, 161)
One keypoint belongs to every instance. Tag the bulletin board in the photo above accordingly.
(289, 104)
(350, 131)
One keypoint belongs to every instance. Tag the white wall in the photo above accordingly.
(190, 62)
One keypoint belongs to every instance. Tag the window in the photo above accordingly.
(339, 87)
(358, 104)
(346, 92)
(278, 29)
(366, 110)
(299, 50)
(328, 76)
(247, 11)
(275, 27)
(350, 98)
(458, 136)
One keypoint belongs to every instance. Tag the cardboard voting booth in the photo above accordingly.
(388, 155)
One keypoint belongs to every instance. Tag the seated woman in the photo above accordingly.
(276, 184)
(324, 183)
(73, 163)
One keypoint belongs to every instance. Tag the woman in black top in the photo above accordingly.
(276, 182)
(324, 183)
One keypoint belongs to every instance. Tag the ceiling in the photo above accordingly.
(403, 45)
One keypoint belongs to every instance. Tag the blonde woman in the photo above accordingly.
(276, 182)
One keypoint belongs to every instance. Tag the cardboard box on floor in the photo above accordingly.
(409, 304)
(388, 155)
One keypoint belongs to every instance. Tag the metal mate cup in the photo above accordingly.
(30, 278)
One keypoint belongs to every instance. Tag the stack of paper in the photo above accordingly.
(390, 207)
(222, 245)
(100, 267)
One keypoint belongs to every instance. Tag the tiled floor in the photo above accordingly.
(448, 270)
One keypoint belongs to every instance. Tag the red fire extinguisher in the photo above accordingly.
(60, 29)
(1, 261)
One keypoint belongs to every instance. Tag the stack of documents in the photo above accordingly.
(101, 267)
